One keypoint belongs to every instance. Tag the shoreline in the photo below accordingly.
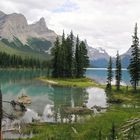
(71, 82)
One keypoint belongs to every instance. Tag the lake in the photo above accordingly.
(47, 100)
(49, 103)
(100, 75)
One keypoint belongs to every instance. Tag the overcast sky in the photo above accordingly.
(104, 23)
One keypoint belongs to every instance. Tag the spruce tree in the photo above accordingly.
(134, 66)
(84, 59)
(63, 57)
(109, 75)
(118, 72)
(55, 61)
(69, 60)
(77, 59)
(71, 54)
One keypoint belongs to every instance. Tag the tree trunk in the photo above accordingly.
(135, 86)
(0, 115)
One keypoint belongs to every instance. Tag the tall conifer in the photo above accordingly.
(134, 66)
(118, 72)
(109, 75)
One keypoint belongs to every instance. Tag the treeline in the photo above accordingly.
(69, 58)
(14, 61)
(133, 68)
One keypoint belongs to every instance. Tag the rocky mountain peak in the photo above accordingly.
(42, 22)
(15, 25)
(40, 26)
(17, 19)
(2, 13)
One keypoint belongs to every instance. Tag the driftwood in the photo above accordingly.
(74, 130)
(24, 99)
(129, 126)
(98, 108)
(76, 110)
(12, 129)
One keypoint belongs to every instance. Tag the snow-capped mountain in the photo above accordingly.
(38, 38)
(125, 58)
(98, 57)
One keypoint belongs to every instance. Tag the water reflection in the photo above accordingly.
(49, 103)
(100, 75)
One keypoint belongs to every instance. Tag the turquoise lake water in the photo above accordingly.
(49, 102)
(100, 75)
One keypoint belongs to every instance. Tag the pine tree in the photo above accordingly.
(69, 60)
(118, 72)
(63, 57)
(70, 56)
(55, 61)
(83, 57)
(134, 66)
(77, 59)
(109, 75)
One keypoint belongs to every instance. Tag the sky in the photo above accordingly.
(108, 24)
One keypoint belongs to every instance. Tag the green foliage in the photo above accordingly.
(16, 47)
(81, 58)
(14, 61)
(70, 82)
(55, 53)
(39, 44)
(68, 62)
(109, 75)
(100, 135)
(134, 66)
(118, 72)
(113, 135)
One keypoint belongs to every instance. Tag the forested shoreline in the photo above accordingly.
(15, 61)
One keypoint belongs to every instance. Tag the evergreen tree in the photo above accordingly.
(84, 59)
(56, 63)
(69, 60)
(118, 72)
(70, 57)
(63, 56)
(77, 58)
(134, 66)
(109, 75)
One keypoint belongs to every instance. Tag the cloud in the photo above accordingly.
(104, 23)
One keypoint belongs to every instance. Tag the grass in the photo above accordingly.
(71, 82)
(89, 129)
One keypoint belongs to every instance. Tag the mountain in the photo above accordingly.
(28, 39)
(36, 40)
(15, 25)
(125, 58)
(98, 57)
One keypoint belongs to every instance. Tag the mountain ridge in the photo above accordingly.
(16, 25)
(37, 37)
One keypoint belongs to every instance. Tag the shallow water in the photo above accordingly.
(48, 102)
